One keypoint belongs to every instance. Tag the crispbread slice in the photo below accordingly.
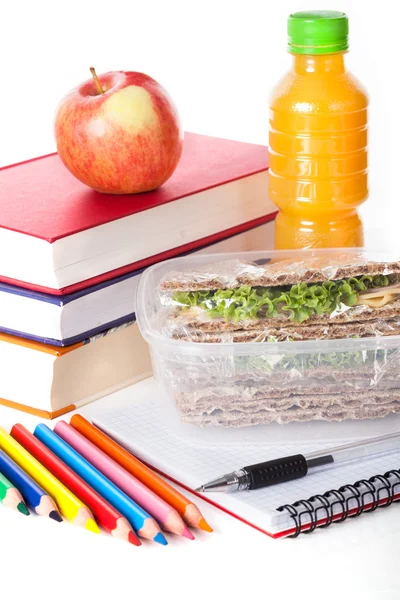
(295, 333)
(363, 405)
(251, 397)
(308, 269)
(300, 415)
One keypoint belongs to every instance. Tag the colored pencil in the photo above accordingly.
(189, 511)
(11, 497)
(143, 524)
(166, 516)
(34, 495)
(70, 506)
(105, 514)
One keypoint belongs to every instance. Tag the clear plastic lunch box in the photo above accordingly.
(248, 384)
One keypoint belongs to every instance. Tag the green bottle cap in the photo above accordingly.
(318, 32)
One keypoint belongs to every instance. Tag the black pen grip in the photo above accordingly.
(276, 471)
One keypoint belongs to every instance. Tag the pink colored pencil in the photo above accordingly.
(167, 517)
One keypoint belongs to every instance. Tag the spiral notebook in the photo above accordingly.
(283, 510)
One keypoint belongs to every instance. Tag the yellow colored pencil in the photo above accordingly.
(70, 506)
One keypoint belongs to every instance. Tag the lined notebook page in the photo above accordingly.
(141, 429)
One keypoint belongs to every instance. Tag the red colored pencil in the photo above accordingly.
(107, 516)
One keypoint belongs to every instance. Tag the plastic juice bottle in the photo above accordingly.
(318, 138)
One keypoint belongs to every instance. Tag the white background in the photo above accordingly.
(219, 60)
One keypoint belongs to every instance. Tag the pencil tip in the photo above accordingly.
(187, 534)
(199, 489)
(160, 539)
(132, 539)
(56, 516)
(205, 526)
(23, 509)
(91, 525)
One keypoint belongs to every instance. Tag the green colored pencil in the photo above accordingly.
(11, 497)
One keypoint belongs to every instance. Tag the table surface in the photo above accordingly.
(357, 558)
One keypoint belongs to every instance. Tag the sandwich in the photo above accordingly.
(332, 296)
(321, 297)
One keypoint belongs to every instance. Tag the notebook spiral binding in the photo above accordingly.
(349, 501)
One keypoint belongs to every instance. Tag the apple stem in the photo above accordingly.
(96, 80)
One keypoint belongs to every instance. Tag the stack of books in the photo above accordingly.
(71, 259)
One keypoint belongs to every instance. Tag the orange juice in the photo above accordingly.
(318, 138)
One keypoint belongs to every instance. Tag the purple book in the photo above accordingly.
(68, 319)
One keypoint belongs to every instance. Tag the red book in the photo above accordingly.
(59, 236)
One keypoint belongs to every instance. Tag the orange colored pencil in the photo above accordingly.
(185, 508)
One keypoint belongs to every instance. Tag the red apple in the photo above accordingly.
(119, 133)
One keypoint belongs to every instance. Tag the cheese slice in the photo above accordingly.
(379, 297)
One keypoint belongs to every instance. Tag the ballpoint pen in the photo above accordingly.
(296, 466)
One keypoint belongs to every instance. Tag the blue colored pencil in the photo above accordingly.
(33, 494)
(141, 521)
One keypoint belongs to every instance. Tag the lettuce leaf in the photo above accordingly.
(300, 301)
